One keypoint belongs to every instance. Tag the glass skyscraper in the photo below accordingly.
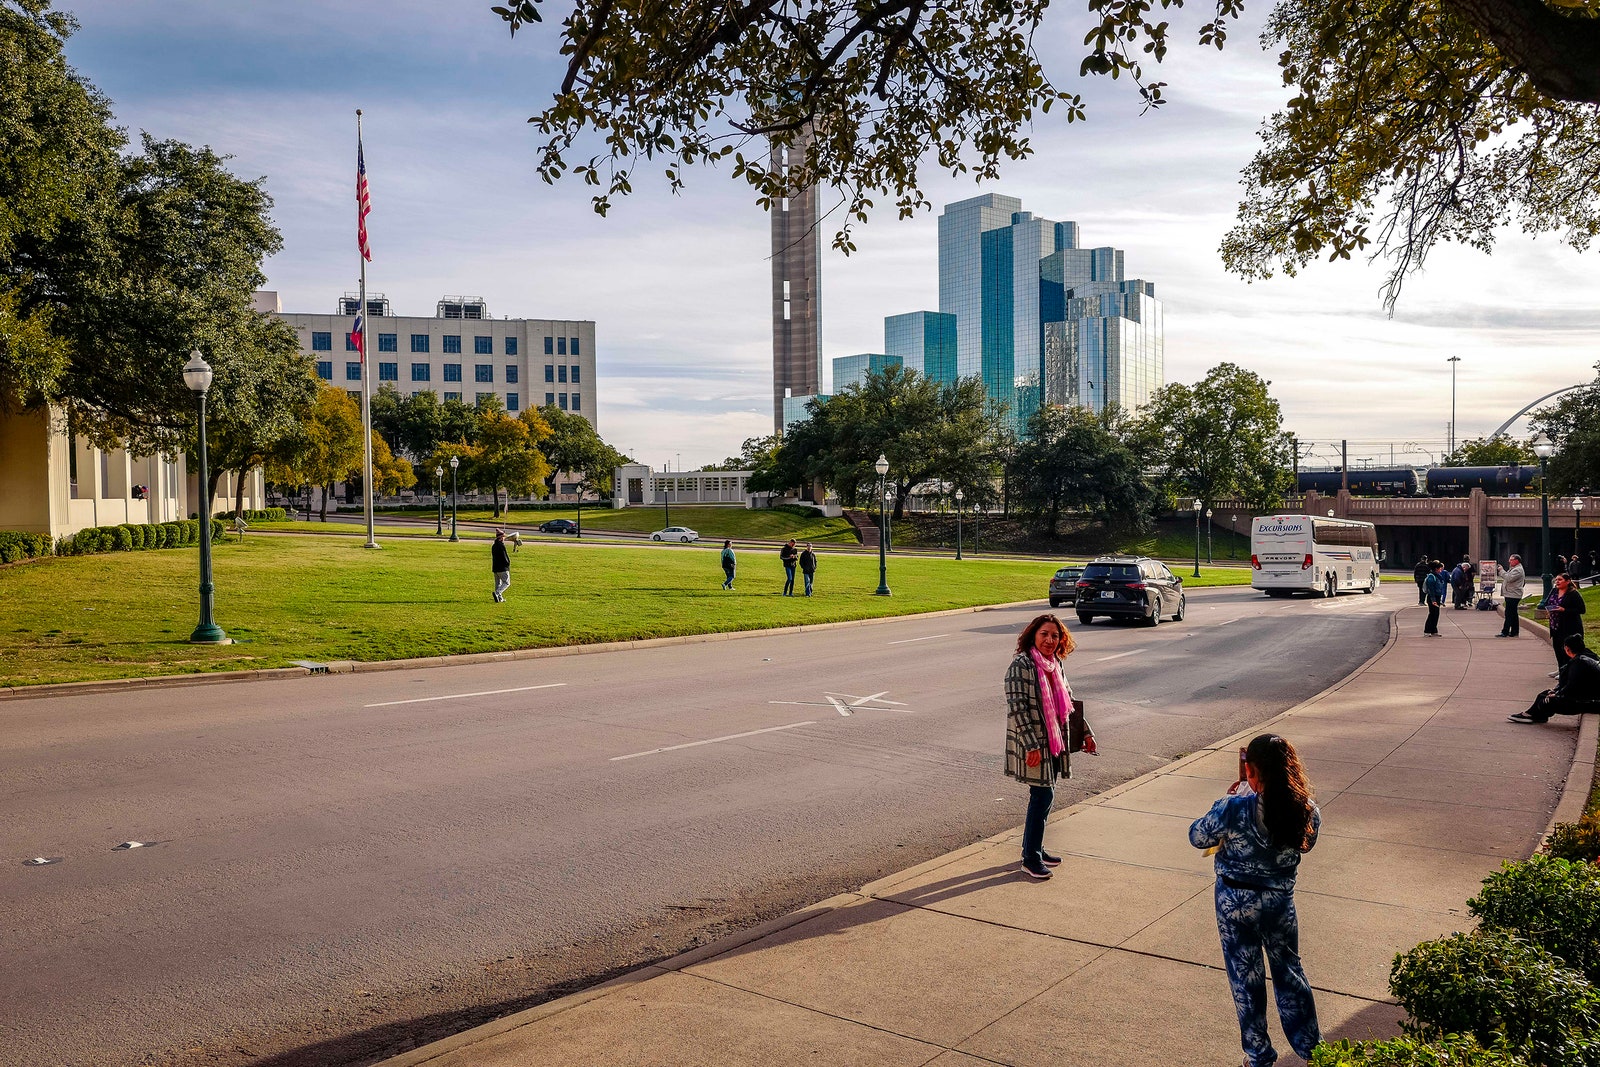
(853, 370)
(925, 341)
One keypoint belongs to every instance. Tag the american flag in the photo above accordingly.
(363, 203)
(358, 336)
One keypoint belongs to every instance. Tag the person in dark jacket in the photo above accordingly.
(1420, 572)
(1461, 583)
(1435, 585)
(788, 555)
(1577, 691)
(808, 565)
(500, 563)
(1566, 615)
(729, 564)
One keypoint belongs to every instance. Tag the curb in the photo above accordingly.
(1575, 797)
(109, 685)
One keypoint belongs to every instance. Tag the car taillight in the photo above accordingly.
(1134, 585)
(1255, 562)
(1082, 584)
(1305, 564)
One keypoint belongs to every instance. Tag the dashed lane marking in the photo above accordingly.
(911, 640)
(463, 696)
(713, 740)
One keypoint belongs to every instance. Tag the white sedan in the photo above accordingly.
(675, 533)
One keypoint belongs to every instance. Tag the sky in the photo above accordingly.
(678, 285)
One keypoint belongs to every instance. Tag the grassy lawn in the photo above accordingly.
(711, 523)
(128, 614)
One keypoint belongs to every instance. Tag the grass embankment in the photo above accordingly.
(711, 523)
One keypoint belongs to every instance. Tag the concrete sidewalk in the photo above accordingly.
(1424, 787)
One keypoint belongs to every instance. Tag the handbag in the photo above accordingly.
(1077, 728)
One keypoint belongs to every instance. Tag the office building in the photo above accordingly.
(460, 353)
(796, 286)
(925, 341)
(854, 370)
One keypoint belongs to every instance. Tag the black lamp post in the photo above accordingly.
(455, 461)
(666, 501)
(1544, 450)
(1197, 537)
(1208, 536)
(1577, 524)
(438, 497)
(197, 376)
(882, 467)
(958, 524)
(1233, 532)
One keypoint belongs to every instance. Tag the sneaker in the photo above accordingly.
(1049, 860)
(1038, 871)
(1553, 674)
(1521, 716)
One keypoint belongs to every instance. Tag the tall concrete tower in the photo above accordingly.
(796, 286)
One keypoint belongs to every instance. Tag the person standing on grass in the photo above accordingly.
(1259, 835)
(500, 563)
(1435, 588)
(1566, 615)
(1512, 586)
(729, 563)
(808, 565)
(788, 555)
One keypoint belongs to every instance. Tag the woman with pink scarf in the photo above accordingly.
(1038, 701)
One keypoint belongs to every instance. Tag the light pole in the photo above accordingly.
(1208, 536)
(1233, 534)
(665, 502)
(1577, 523)
(958, 524)
(1197, 537)
(438, 497)
(882, 467)
(1453, 360)
(1544, 449)
(197, 376)
(455, 461)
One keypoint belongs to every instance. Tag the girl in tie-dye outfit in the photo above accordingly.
(1260, 835)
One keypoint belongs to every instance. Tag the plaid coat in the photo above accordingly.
(1025, 729)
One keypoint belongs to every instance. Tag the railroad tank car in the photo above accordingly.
(1495, 481)
(1394, 481)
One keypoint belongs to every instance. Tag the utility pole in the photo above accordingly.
(1453, 360)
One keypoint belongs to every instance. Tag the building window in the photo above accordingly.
(483, 346)
(419, 342)
(561, 346)
(422, 372)
(388, 372)
(562, 399)
(549, 346)
(352, 372)
(511, 346)
(577, 401)
(549, 398)
(325, 370)
(549, 372)
(452, 344)
(574, 378)
(321, 341)
(511, 402)
(574, 348)
(483, 372)
(452, 372)
(453, 396)
(511, 374)
(388, 342)
(561, 373)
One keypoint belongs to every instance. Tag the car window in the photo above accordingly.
(1111, 570)
(1069, 572)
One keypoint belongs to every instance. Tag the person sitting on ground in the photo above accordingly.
(1577, 691)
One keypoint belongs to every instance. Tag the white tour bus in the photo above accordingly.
(1313, 554)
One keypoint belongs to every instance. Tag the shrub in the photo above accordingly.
(168, 534)
(1579, 841)
(1452, 1050)
(122, 538)
(189, 532)
(258, 515)
(1552, 902)
(219, 529)
(1500, 989)
(16, 545)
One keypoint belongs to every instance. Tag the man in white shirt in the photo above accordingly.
(1511, 590)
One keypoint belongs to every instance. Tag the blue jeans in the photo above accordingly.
(788, 579)
(728, 582)
(808, 575)
(1252, 922)
(1040, 797)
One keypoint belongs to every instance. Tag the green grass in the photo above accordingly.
(129, 614)
(711, 523)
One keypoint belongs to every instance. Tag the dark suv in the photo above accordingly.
(1134, 587)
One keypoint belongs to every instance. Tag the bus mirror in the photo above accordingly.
(1382, 555)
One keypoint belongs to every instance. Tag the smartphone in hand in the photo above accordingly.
(1239, 782)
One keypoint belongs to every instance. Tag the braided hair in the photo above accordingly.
(1286, 799)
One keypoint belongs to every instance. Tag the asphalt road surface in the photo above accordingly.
(338, 868)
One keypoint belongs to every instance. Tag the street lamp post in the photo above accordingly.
(438, 496)
(1544, 449)
(882, 467)
(197, 376)
(1197, 537)
(666, 503)
(455, 461)
(1208, 535)
(958, 524)
(1233, 534)
(1453, 360)
(1577, 524)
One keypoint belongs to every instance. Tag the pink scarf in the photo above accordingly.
(1056, 697)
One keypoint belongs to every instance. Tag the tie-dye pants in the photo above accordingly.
(1254, 922)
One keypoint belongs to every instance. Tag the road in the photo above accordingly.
(336, 868)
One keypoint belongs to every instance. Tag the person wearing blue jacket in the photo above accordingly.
(1434, 588)
(1259, 834)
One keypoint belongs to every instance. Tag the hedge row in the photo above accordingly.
(15, 546)
(257, 515)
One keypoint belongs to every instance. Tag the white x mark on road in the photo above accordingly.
(834, 701)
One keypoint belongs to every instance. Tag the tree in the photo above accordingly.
(754, 453)
(1491, 452)
(1069, 460)
(1222, 436)
(507, 454)
(569, 443)
(272, 388)
(1441, 108)
(326, 449)
(1573, 423)
(388, 415)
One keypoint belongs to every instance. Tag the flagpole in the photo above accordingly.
(366, 366)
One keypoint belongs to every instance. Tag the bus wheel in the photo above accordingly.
(1372, 586)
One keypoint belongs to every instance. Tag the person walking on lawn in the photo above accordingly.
(500, 563)
(788, 555)
(808, 565)
(1512, 586)
(729, 563)
(1435, 587)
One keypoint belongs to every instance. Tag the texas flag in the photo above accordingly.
(358, 336)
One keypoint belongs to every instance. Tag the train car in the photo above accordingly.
(1495, 481)
(1395, 481)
